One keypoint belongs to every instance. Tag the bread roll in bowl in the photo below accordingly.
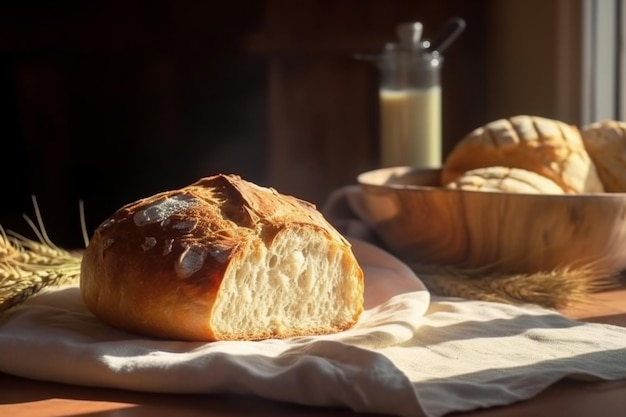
(605, 142)
(506, 180)
(544, 146)
(221, 259)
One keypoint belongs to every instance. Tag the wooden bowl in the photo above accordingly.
(421, 222)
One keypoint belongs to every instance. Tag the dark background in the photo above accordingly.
(106, 102)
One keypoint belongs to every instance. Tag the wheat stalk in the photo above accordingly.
(27, 266)
(557, 288)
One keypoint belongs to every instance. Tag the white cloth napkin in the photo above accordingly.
(409, 355)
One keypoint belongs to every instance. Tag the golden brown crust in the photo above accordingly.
(156, 265)
(547, 147)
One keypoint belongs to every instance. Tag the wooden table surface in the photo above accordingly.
(21, 397)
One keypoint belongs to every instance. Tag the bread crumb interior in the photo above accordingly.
(293, 284)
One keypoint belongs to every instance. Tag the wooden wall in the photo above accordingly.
(322, 102)
(110, 101)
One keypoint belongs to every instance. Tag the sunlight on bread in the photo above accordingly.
(222, 259)
(296, 285)
(547, 147)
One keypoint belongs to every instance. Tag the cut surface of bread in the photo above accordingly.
(221, 259)
(606, 144)
(547, 147)
(505, 179)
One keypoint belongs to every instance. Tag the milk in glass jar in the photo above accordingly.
(410, 97)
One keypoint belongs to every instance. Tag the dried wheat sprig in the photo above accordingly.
(31, 252)
(19, 281)
(557, 288)
(18, 284)
(27, 266)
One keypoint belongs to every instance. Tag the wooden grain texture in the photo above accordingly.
(504, 232)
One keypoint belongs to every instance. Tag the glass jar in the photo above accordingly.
(410, 106)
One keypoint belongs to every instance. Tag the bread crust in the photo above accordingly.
(505, 179)
(547, 147)
(605, 142)
(155, 267)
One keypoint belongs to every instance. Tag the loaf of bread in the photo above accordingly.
(605, 142)
(221, 259)
(547, 147)
(506, 180)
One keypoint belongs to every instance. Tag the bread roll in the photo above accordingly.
(606, 144)
(221, 259)
(547, 147)
(505, 179)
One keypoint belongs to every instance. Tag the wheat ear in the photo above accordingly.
(557, 288)
(27, 266)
